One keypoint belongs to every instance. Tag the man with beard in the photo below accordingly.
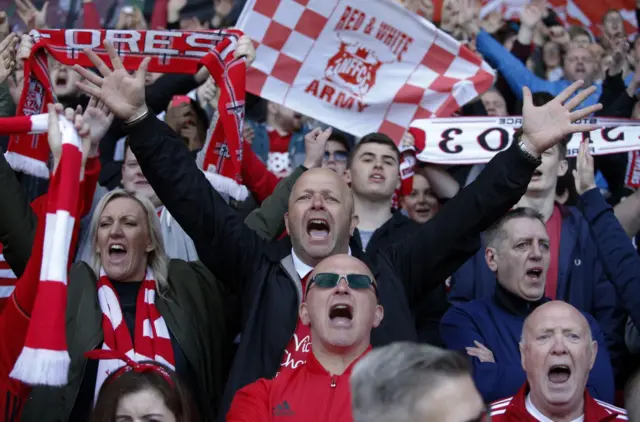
(558, 352)
(340, 309)
(271, 276)
(518, 253)
(279, 141)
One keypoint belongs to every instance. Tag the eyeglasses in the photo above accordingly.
(337, 155)
(355, 281)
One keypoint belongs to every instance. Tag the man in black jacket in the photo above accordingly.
(269, 274)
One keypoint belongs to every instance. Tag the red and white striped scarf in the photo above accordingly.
(171, 52)
(151, 337)
(44, 359)
(7, 281)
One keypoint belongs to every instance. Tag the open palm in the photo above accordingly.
(121, 92)
(545, 126)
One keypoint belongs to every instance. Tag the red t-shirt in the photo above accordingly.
(295, 354)
(279, 162)
(554, 229)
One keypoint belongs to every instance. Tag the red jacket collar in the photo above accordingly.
(593, 412)
(316, 367)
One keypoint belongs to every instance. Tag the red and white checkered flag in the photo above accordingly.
(359, 65)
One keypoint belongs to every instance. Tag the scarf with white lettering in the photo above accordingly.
(44, 359)
(151, 340)
(171, 52)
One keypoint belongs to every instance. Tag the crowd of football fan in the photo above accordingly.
(506, 291)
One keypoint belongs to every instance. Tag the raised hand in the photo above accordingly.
(4, 25)
(7, 56)
(32, 17)
(530, 16)
(584, 174)
(245, 48)
(99, 118)
(121, 92)
(173, 9)
(545, 126)
(314, 144)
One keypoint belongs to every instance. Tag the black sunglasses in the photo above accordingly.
(337, 155)
(331, 280)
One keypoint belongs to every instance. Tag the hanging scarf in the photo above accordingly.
(171, 52)
(44, 359)
(151, 336)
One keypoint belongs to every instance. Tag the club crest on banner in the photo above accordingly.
(354, 67)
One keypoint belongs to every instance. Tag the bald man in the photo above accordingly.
(340, 308)
(558, 352)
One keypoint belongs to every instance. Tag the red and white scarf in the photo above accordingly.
(7, 281)
(44, 360)
(151, 337)
(171, 52)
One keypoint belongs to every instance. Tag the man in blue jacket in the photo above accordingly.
(489, 329)
(575, 272)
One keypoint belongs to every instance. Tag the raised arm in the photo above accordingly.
(618, 257)
(223, 242)
(448, 240)
(514, 71)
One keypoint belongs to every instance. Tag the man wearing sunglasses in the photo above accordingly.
(340, 308)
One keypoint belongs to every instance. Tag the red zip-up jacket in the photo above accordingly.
(306, 394)
(15, 317)
(514, 409)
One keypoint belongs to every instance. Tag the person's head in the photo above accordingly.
(133, 181)
(126, 236)
(579, 36)
(580, 64)
(517, 251)
(551, 55)
(554, 160)
(194, 126)
(152, 395)
(407, 382)
(373, 167)
(194, 19)
(612, 23)
(494, 103)
(557, 352)
(421, 204)
(283, 118)
(63, 80)
(341, 304)
(321, 218)
(336, 153)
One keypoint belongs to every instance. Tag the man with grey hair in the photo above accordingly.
(488, 329)
(406, 382)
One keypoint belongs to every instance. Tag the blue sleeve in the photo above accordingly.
(260, 144)
(514, 71)
(600, 382)
(618, 257)
(494, 380)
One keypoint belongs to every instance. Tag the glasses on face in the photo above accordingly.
(337, 156)
(355, 281)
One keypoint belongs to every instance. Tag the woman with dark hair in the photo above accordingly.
(145, 391)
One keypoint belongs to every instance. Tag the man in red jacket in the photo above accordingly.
(340, 308)
(557, 354)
